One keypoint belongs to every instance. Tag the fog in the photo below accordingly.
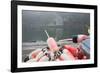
(59, 25)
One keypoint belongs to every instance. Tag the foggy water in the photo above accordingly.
(59, 25)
